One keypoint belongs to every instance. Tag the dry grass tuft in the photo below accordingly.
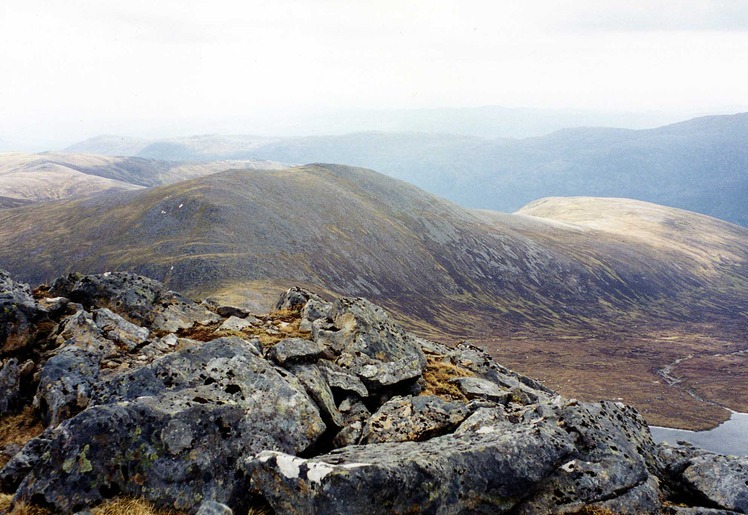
(437, 375)
(5, 500)
(21, 508)
(129, 506)
(18, 429)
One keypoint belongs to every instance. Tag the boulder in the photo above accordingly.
(139, 299)
(369, 343)
(234, 323)
(18, 314)
(318, 389)
(10, 385)
(413, 419)
(477, 388)
(80, 330)
(119, 330)
(173, 430)
(294, 299)
(467, 473)
(295, 350)
(341, 379)
(717, 481)
(65, 385)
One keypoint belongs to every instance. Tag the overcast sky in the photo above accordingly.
(79, 65)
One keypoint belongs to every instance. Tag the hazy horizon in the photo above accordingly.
(83, 68)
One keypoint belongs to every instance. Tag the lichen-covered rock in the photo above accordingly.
(412, 419)
(294, 299)
(66, 383)
(341, 379)
(719, 481)
(295, 350)
(318, 389)
(477, 388)
(80, 330)
(119, 330)
(234, 323)
(10, 385)
(467, 473)
(18, 314)
(214, 508)
(172, 431)
(139, 299)
(372, 345)
(615, 455)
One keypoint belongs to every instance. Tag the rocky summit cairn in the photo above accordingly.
(317, 407)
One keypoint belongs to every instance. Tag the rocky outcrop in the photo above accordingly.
(712, 480)
(19, 313)
(319, 407)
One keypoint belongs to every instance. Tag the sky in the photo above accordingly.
(80, 67)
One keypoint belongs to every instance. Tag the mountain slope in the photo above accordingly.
(444, 269)
(28, 178)
(700, 165)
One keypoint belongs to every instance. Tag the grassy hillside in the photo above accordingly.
(26, 178)
(608, 270)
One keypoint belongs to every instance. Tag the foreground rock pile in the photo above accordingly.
(319, 407)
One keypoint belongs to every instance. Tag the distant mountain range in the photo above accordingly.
(700, 165)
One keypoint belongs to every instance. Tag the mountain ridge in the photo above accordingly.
(504, 281)
(698, 164)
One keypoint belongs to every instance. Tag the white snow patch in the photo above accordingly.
(163, 212)
(318, 471)
(180, 206)
(485, 430)
(289, 465)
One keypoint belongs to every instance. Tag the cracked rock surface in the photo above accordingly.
(317, 407)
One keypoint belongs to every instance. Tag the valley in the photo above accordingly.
(591, 295)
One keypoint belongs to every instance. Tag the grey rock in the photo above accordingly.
(412, 419)
(468, 473)
(18, 314)
(174, 429)
(23, 462)
(482, 418)
(234, 323)
(723, 480)
(214, 508)
(80, 330)
(66, 383)
(140, 300)
(355, 415)
(477, 388)
(180, 313)
(372, 345)
(294, 299)
(318, 389)
(339, 378)
(316, 308)
(232, 311)
(615, 455)
(119, 330)
(295, 350)
(10, 385)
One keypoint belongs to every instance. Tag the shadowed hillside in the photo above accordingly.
(444, 269)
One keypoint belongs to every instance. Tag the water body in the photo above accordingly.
(730, 437)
